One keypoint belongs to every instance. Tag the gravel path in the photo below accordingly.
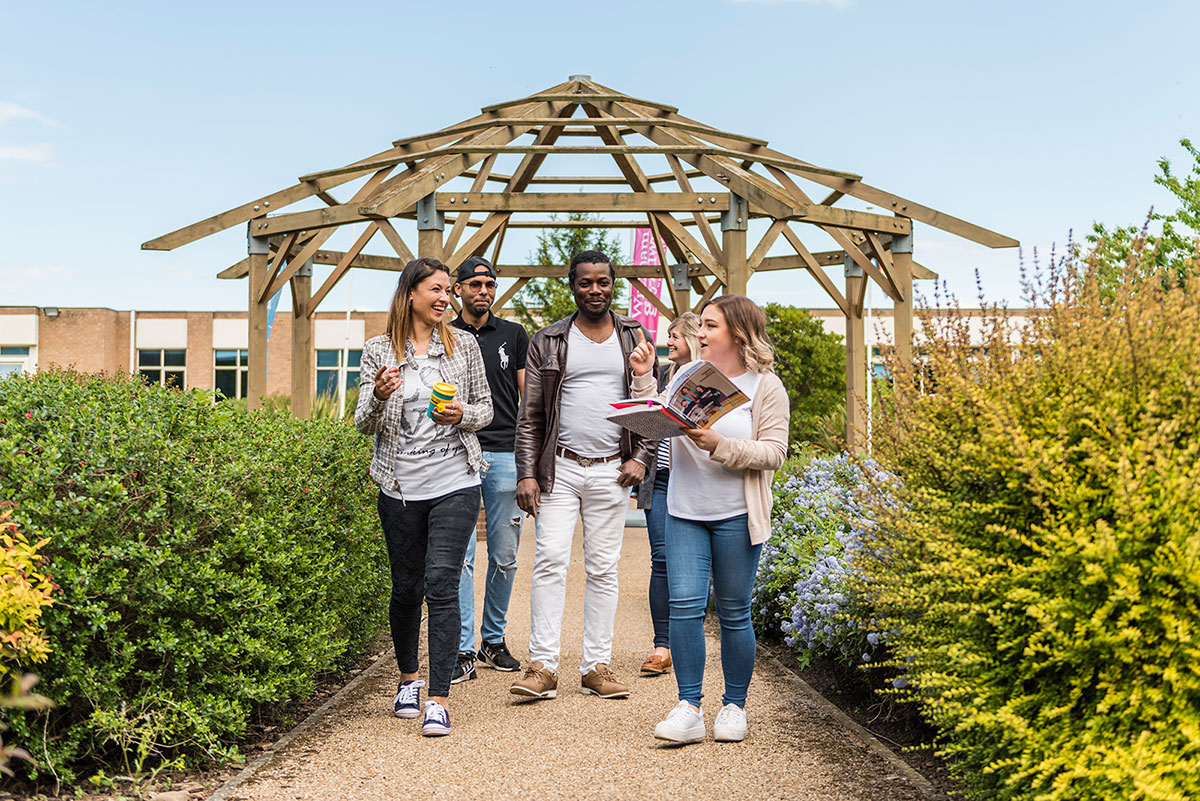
(577, 746)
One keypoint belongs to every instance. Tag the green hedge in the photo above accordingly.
(211, 562)
(1042, 575)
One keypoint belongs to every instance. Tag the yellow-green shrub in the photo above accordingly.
(1043, 577)
(24, 592)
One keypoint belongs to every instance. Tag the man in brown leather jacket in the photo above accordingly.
(570, 458)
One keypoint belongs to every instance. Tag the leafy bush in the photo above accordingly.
(811, 363)
(804, 589)
(1044, 578)
(211, 562)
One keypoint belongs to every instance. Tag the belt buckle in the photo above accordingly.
(585, 461)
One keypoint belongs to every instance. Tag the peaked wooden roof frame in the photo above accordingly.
(741, 179)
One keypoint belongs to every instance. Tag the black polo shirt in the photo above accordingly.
(504, 345)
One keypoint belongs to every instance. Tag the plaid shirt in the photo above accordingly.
(382, 417)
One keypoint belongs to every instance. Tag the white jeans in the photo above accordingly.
(595, 491)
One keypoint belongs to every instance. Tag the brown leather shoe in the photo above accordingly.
(657, 665)
(601, 681)
(538, 682)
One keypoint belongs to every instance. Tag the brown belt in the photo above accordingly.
(584, 461)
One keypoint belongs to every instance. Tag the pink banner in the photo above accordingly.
(641, 309)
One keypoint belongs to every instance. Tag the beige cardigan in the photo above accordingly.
(757, 458)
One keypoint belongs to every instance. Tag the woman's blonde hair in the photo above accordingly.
(399, 326)
(688, 325)
(748, 326)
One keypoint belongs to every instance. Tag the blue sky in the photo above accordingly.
(122, 121)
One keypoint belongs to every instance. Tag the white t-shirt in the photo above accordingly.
(701, 489)
(593, 378)
(432, 460)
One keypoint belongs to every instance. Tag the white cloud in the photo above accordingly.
(36, 153)
(12, 112)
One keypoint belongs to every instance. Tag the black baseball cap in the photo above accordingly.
(468, 269)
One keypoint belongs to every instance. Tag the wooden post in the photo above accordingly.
(734, 224)
(902, 248)
(856, 357)
(430, 225)
(256, 372)
(302, 343)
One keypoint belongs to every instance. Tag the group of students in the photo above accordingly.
(528, 432)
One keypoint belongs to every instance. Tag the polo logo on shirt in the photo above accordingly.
(503, 356)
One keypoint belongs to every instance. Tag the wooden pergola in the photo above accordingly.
(711, 184)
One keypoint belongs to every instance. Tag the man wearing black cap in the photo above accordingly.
(503, 345)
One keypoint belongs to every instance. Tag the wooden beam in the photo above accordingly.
(595, 202)
(884, 257)
(478, 241)
(920, 271)
(815, 269)
(256, 314)
(682, 177)
(460, 224)
(510, 293)
(655, 301)
(764, 245)
(707, 296)
(577, 98)
(462, 129)
(393, 238)
(434, 172)
(687, 240)
(321, 218)
(856, 367)
(560, 270)
(342, 267)
(302, 346)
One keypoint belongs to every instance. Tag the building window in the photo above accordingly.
(14, 350)
(329, 366)
(16, 364)
(167, 368)
(230, 375)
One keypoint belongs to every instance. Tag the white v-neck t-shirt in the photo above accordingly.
(701, 489)
(593, 378)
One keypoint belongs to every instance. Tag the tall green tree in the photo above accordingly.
(1174, 248)
(544, 300)
(811, 363)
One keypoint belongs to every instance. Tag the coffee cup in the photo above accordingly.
(439, 396)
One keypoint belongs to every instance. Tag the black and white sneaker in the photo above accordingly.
(496, 655)
(464, 667)
(408, 699)
(437, 720)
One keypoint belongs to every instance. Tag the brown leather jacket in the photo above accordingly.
(537, 420)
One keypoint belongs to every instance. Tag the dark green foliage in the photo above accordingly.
(811, 363)
(211, 562)
(544, 300)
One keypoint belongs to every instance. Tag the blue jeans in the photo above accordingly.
(696, 551)
(503, 537)
(656, 527)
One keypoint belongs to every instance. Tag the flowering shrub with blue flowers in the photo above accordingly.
(807, 588)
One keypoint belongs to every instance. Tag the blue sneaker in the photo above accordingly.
(408, 699)
(437, 720)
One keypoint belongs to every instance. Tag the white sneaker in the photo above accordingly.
(683, 725)
(437, 720)
(731, 724)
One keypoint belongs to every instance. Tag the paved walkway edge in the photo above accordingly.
(283, 742)
(869, 740)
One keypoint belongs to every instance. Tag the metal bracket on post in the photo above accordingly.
(737, 216)
(256, 245)
(305, 270)
(428, 217)
(902, 243)
(850, 268)
(679, 276)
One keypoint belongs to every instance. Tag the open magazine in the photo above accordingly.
(699, 395)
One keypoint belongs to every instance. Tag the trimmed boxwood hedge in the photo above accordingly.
(210, 562)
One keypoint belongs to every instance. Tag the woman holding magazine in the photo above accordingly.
(428, 465)
(719, 513)
(682, 347)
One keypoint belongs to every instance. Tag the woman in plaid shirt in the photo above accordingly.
(428, 466)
